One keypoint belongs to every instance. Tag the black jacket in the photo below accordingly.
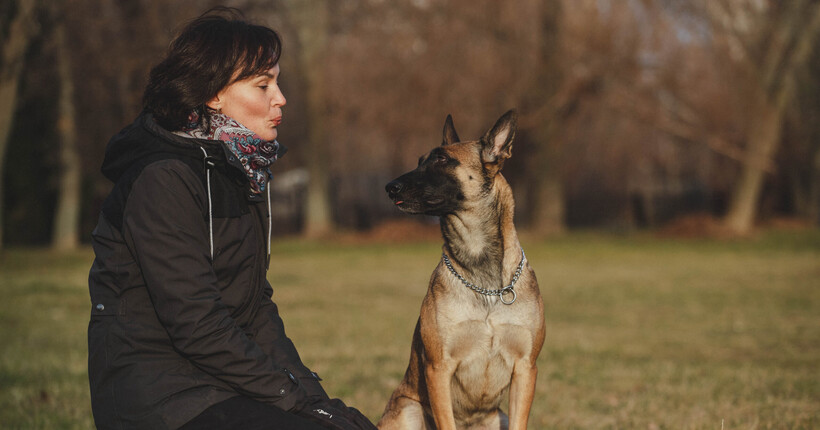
(173, 330)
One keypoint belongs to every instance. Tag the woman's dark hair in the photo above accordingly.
(213, 51)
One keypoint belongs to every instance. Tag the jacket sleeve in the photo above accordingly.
(164, 226)
(269, 332)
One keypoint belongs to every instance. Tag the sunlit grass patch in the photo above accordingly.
(641, 333)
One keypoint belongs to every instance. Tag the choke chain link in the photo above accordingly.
(487, 292)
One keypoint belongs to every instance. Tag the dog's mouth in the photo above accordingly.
(417, 206)
(404, 205)
(395, 198)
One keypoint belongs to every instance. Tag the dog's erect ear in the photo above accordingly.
(498, 140)
(450, 135)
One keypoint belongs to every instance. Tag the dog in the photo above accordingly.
(481, 325)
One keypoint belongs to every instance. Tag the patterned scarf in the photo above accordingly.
(255, 153)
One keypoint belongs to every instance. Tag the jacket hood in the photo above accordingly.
(145, 139)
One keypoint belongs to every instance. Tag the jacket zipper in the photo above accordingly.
(254, 295)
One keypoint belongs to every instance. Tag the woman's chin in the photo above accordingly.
(269, 134)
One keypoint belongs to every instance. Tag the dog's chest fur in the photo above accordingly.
(480, 333)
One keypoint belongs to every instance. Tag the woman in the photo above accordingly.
(183, 332)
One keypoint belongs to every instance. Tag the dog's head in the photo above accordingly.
(453, 176)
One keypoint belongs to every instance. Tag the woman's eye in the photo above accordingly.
(263, 87)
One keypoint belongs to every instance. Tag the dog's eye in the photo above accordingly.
(441, 159)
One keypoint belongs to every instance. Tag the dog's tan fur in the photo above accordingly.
(469, 349)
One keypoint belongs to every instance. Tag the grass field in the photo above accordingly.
(641, 333)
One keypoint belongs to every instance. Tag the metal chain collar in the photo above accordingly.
(501, 292)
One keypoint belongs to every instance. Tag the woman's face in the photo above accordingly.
(255, 102)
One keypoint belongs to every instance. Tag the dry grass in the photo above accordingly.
(642, 333)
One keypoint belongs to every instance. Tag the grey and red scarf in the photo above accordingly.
(255, 154)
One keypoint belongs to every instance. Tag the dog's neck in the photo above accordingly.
(482, 240)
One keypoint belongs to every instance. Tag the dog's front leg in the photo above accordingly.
(522, 392)
(438, 377)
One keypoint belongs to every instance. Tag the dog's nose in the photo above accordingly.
(394, 187)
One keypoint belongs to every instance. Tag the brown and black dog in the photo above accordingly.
(482, 321)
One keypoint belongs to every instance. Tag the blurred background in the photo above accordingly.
(697, 117)
(648, 122)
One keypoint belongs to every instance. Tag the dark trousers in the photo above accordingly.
(244, 413)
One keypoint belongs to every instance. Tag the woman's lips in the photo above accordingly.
(276, 121)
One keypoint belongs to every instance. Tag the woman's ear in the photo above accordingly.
(215, 103)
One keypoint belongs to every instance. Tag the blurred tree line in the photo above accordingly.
(632, 113)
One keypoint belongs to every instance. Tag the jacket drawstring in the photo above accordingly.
(208, 166)
(270, 221)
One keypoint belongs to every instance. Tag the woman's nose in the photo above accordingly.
(279, 100)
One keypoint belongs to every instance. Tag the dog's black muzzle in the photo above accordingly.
(422, 191)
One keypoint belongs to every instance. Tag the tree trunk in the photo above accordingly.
(8, 97)
(319, 220)
(65, 234)
(547, 208)
(21, 29)
(312, 25)
(546, 200)
(764, 137)
(810, 199)
(794, 38)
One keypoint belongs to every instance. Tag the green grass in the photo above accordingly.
(641, 333)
